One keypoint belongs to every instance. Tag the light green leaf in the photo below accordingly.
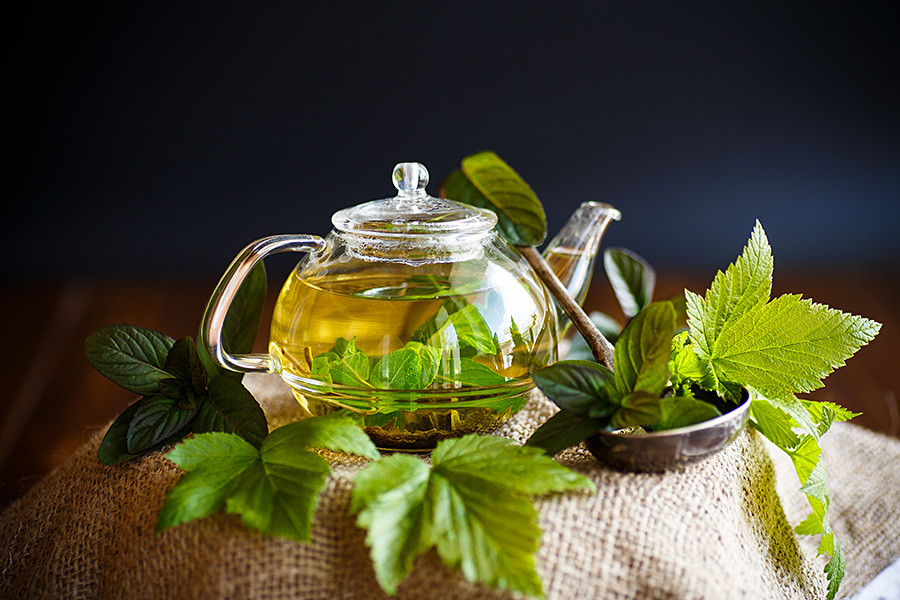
(412, 367)
(472, 373)
(486, 181)
(633, 279)
(472, 505)
(681, 411)
(215, 463)
(788, 345)
(643, 350)
(745, 284)
(774, 423)
(274, 489)
(390, 499)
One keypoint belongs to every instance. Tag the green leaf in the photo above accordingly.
(183, 362)
(787, 345)
(241, 322)
(216, 463)
(774, 423)
(457, 323)
(745, 284)
(412, 367)
(638, 409)
(686, 367)
(643, 350)
(231, 408)
(486, 181)
(274, 489)
(339, 431)
(129, 356)
(780, 347)
(473, 373)
(564, 430)
(158, 418)
(632, 279)
(344, 364)
(472, 505)
(114, 446)
(681, 411)
(390, 497)
(582, 388)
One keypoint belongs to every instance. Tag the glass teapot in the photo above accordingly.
(414, 313)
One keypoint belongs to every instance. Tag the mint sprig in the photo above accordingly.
(181, 389)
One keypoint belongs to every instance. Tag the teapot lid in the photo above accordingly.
(412, 211)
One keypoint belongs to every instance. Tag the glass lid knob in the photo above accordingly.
(410, 178)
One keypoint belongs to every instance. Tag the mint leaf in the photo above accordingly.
(486, 181)
(632, 279)
(274, 489)
(344, 364)
(156, 419)
(472, 505)
(681, 411)
(472, 373)
(643, 350)
(637, 409)
(583, 388)
(457, 323)
(129, 356)
(114, 446)
(183, 362)
(229, 407)
(412, 367)
(564, 430)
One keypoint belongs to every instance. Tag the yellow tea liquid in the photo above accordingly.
(503, 331)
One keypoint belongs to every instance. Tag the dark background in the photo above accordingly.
(158, 139)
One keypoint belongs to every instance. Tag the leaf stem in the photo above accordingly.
(601, 348)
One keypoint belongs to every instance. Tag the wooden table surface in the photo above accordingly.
(54, 400)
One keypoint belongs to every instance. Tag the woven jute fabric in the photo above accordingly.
(718, 529)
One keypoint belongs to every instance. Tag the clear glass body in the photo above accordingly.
(422, 349)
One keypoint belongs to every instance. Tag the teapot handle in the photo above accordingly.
(214, 317)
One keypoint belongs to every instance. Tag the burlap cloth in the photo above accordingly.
(719, 529)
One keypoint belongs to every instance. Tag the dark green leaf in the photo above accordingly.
(231, 408)
(114, 446)
(183, 362)
(158, 418)
(582, 388)
(241, 322)
(564, 430)
(131, 357)
(412, 367)
(643, 350)
(632, 279)
(488, 182)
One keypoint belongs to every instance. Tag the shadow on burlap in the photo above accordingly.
(720, 529)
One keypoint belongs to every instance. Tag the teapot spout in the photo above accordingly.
(573, 252)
